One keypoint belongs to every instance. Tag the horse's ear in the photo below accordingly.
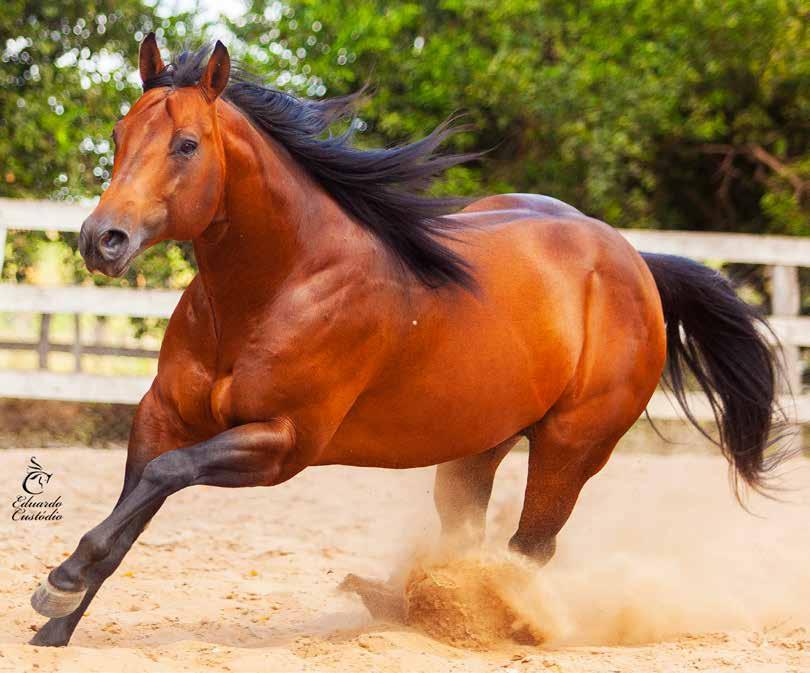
(149, 60)
(217, 72)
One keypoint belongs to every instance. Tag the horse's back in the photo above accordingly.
(550, 229)
(562, 238)
(535, 203)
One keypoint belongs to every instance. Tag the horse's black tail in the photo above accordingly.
(719, 338)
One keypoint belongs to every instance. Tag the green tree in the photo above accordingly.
(676, 115)
(65, 67)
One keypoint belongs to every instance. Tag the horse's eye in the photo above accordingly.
(187, 148)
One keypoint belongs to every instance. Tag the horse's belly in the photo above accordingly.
(463, 400)
(410, 442)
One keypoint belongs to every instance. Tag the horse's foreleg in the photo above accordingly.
(256, 454)
(56, 632)
(153, 432)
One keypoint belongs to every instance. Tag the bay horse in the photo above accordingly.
(342, 316)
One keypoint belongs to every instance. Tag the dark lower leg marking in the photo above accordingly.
(540, 550)
(57, 631)
(251, 455)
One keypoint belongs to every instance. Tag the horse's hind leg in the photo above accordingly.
(566, 449)
(462, 492)
(620, 362)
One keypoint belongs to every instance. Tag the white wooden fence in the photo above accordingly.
(783, 256)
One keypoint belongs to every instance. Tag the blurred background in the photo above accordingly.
(685, 122)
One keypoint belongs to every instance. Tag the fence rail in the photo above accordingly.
(783, 255)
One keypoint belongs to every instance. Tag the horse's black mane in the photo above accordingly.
(383, 189)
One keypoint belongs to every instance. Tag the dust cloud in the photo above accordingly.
(636, 565)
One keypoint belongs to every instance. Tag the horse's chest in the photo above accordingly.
(256, 387)
(298, 355)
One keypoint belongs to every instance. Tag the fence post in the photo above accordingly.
(44, 340)
(77, 341)
(3, 232)
(785, 302)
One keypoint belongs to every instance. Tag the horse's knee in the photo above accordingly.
(172, 470)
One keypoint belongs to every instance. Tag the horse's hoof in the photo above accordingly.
(49, 601)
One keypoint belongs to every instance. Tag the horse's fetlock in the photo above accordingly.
(540, 549)
(93, 547)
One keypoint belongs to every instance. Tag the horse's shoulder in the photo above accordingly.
(187, 361)
(192, 317)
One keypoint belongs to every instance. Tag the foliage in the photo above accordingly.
(64, 77)
(685, 114)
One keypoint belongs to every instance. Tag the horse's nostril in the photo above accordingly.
(112, 243)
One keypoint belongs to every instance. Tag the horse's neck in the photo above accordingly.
(274, 219)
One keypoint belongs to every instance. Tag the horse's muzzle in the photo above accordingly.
(104, 247)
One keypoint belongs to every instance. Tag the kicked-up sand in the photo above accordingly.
(658, 569)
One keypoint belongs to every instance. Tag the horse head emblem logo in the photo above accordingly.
(36, 478)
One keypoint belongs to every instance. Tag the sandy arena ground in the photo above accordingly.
(658, 570)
